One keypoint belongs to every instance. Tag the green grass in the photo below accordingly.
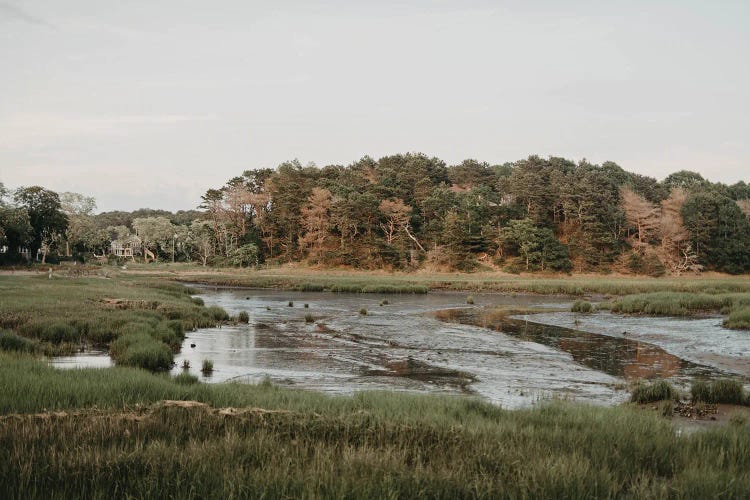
(357, 282)
(208, 367)
(582, 306)
(737, 305)
(63, 315)
(658, 390)
(286, 443)
(739, 319)
(9, 341)
(719, 391)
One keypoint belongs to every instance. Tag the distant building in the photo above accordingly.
(129, 246)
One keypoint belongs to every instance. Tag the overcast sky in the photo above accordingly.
(149, 103)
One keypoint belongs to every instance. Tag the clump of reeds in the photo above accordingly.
(363, 311)
(718, 391)
(290, 304)
(9, 341)
(243, 317)
(307, 306)
(384, 302)
(185, 364)
(208, 367)
(738, 319)
(470, 299)
(309, 318)
(582, 306)
(659, 390)
(185, 378)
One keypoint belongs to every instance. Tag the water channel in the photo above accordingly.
(437, 343)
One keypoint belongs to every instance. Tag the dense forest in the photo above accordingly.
(412, 211)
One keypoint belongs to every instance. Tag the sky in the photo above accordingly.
(149, 103)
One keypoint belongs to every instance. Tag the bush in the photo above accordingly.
(9, 341)
(582, 306)
(186, 379)
(718, 391)
(660, 390)
(243, 317)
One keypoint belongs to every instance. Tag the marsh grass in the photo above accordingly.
(658, 390)
(208, 367)
(739, 319)
(719, 391)
(309, 318)
(582, 306)
(9, 341)
(62, 315)
(243, 317)
(358, 282)
(186, 378)
(285, 443)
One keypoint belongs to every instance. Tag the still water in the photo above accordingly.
(437, 343)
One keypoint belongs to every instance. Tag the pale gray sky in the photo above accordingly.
(147, 103)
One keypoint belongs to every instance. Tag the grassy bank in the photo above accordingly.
(282, 443)
(736, 305)
(356, 281)
(143, 320)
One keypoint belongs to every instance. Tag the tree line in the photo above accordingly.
(412, 211)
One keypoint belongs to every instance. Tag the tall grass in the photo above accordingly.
(62, 315)
(284, 443)
(737, 305)
(738, 319)
(719, 391)
(658, 390)
(358, 281)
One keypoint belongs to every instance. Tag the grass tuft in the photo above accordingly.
(659, 390)
(582, 306)
(718, 391)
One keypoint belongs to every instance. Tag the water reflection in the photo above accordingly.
(619, 357)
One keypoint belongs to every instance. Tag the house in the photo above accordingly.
(129, 246)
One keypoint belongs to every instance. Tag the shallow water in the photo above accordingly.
(422, 343)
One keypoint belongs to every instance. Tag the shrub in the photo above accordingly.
(243, 317)
(582, 306)
(660, 390)
(186, 379)
(718, 391)
(208, 367)
(363, 311)
(9, 341)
